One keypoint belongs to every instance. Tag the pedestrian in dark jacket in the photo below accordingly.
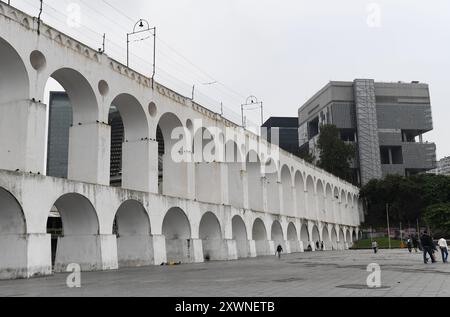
(428, 247)
(279, 250)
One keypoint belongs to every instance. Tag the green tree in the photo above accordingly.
(408, 197)
(438, 218)
(335, 154)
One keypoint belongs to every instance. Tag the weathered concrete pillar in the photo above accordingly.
(231, 246)
(272, 247)
(140, 166)
(89, 153)
(23, 136)
(159, 249)
(196, 250)
(288, 249)
(252, 249)
(135, 250)
(302, 247)
(91, 252)
(25, 256)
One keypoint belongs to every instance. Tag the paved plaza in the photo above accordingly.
(306, 274)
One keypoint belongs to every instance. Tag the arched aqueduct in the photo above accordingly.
(195, 210)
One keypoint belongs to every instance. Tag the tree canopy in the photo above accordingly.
(335, 154)
(409, 198)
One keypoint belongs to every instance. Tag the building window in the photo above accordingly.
(391, 155)
(313, 128)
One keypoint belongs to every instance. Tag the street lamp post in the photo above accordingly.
(388, 227)
(144, 27)
(252, 101)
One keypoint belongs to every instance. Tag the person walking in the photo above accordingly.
(409, 245)
(322, 246)
(279, 251)
(444, 249)
(375, 247)
(428, 247)
(415, 243)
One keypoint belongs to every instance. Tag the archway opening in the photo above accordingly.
(348, 239)
(327, 245)
(311, 198)
(341, 240)
(259, 234)
(354, 236)
(300, 195)
(321, 200)
(14, 96)
(240, 236)
(177, 231)
(254, 181)
(316, 238)
(292, 237)
(329, 204)
(214, 248)
(132, 228)
(334, 239)
(74, 227)
(206, 166)
(273, 191)
(130, 148)
(173, 171)
(72, 148)
(233, 159)
(304, 237)
(13, 248)
(288, 199)
(277, 235)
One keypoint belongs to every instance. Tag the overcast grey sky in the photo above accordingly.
(282, 51)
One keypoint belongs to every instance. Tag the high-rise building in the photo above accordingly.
(282, 131)
(60, 119)
(386, 122)
(442, 167)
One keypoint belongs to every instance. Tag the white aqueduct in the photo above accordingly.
(215, 210)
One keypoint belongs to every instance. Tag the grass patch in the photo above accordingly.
(383, 243)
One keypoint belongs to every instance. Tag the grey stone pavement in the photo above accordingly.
(304, 275)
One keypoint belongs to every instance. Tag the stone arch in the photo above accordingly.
(273, 190)
(176, 229)
(315, 237)
(326, 239)
(240, 236)
(348, 238)
(206, 152)
(292, 237)
(173, 174)
(341, 239)
(16, 85)
(300, 195)
(82, 97)
(15, 114)
(259, 235)
(234, 162)
(321, 198)
(210, 233)
(132, 227)
(288, 199)
(354, 237)
(334, 239)
(277, 235)
(79, 241)
(304, 236)
(12, 228)
(130, 155)
(254, 181)
(311, 198)
(329, 203)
